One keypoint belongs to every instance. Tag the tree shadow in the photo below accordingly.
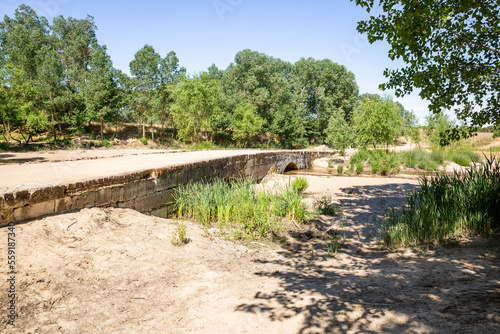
(6, 158)
(363, 288)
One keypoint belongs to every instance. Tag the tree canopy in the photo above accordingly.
(56, 80)
(451, 50)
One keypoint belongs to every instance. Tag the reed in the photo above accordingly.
(240, 206)
(447, 206)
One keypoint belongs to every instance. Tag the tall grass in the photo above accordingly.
(447, 206)
(239, 206)
(464, 157)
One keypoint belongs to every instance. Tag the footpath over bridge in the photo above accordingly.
(142, 182)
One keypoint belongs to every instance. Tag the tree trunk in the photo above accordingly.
(152, 131)
(102, 129)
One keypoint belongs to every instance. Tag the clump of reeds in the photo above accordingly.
(240, 206)
(447, 206)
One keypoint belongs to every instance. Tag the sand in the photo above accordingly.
(116, 271)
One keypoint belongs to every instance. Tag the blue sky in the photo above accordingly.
(203, 32)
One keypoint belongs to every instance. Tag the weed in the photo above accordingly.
(144, 141)
(300, 184)
(340, 169)
(179, 235)
(106, 143)
(359, 167)
(324, 206)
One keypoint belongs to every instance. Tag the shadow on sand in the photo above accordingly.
(365, 289)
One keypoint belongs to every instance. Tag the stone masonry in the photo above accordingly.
(148, 191)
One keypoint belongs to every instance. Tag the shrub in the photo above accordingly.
(437, 157)
(361, 156)
(106, 143)
(464, 157)
(144, 140)
(433, 166)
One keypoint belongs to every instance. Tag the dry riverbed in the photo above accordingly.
(116, 271)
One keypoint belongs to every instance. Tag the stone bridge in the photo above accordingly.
(144, 182)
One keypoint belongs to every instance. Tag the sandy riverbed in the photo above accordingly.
(116, 271)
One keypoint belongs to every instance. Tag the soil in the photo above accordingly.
(116, 271)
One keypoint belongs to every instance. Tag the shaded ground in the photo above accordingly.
(116, 271)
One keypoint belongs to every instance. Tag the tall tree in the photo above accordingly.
(451, 49)
(24, 49)
(100, 90)
(339, 134)
(377, 122)
(76, 40)
(263, 81)
(324, 87)
(145, 69)
(170, 74)
(198, 102)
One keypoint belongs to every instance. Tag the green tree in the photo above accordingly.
(323, 87)
(437, 124)
(339, 134)
(100, 90)
(245, 122)
(75, 40)
(264, 82)
(25, 47)
(170, 74)
(198, 102)
(145, 69)
(451, 49)
(377, 122)
(410, 127)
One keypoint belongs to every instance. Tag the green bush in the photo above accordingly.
(447, 206)
(433, 166)
(107, 143)
(144, 140)
(437, 157)
(340, 169)
(422, 165)
(361, 156)
(464, 157)
(299, 184)
(359, 167)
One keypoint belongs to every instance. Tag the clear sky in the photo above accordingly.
(202, 32)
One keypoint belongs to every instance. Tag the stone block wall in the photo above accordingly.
(148, 191)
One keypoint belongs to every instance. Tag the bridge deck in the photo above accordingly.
(48, 173)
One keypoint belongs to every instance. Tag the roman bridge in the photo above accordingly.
(143, 182)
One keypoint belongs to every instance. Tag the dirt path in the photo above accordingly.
(116, 271)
